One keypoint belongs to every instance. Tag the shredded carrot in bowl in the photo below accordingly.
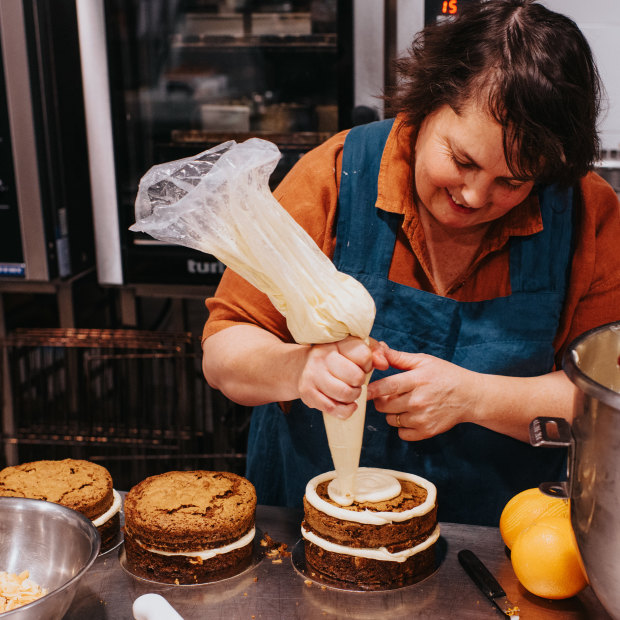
(18, 590)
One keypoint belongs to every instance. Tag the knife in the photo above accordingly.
(487, 584)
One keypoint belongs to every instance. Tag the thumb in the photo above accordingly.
(403, 360)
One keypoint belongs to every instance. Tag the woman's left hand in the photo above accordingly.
(429, 397)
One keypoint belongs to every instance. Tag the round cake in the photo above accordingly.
(81, 485)
(190, 526)
(370, 544)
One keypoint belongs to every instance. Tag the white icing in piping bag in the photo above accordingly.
(345, 444)
(154, 607)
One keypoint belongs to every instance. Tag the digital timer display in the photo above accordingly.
(449, 7)
(435, 10)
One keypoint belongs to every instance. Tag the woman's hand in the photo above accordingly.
(252, 366)
(334, 373)
(429, 397)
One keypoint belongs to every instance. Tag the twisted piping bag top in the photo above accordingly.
(219, 202)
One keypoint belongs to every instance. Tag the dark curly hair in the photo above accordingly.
(532, 67)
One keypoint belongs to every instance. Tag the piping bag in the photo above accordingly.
(219, 202)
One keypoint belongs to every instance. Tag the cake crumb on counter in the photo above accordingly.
(275, 550)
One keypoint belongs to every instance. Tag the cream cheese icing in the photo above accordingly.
(206, 554)
(370, 485)
(369, 516)
(108, 514)
(345, 445)
(380, 553)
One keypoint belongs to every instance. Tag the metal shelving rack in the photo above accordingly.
(133, 400)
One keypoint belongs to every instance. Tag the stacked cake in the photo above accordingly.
(190, 526)
(74, 483)
(384, 539)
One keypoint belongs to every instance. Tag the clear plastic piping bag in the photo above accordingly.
(219, 202)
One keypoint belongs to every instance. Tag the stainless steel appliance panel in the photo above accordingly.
(44, 193)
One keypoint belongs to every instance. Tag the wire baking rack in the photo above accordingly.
(133, 400)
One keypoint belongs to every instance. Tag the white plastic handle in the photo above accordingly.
(154, 607)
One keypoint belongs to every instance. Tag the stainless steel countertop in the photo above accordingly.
(273, 590)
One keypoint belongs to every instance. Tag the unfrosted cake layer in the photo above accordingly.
(78, 484)
(372, 545)
(189, 527)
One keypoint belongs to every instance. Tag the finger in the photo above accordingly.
(396, 419)
(403, 360)
(317, 399)
(392, 404)
(339, 391)
(343, 377)
(379, 359)
(341, 411)
(413, 434)
(357, 351)
(393, 385)
(326, 360)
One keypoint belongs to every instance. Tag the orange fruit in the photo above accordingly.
(546, 560)
(524, 508)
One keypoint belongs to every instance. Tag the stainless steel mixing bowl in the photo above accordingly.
(55, 544)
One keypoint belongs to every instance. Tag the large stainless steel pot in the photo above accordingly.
(592, 364)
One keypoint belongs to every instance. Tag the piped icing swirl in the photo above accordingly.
(369, 516)
(370, 485)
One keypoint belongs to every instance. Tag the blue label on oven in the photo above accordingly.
(16, 270)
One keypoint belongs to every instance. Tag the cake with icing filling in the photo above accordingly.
(384, 539)
(188, 527)
(81, 485)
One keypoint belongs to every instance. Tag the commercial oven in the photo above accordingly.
(45, 210)
(168, 79)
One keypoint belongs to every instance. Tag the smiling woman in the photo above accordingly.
(473, 220)
(462, 185)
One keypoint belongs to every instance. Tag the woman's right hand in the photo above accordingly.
(334, 373)
(252, 366)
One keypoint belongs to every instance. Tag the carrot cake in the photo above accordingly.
(190, 526)
(384, 539)
(81, 485)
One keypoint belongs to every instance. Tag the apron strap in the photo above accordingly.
(541, 262)
(358, 218)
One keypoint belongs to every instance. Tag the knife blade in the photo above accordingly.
(486, 583)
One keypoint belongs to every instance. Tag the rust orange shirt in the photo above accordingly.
(310, 193)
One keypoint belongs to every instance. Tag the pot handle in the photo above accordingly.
(552, 433)
(555, 489)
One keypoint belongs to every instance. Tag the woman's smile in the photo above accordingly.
(458, 207)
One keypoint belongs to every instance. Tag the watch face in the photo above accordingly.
(436, 10)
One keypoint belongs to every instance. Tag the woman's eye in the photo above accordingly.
(460, 164)
(512, 185)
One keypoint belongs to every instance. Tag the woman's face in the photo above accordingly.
(461, 176)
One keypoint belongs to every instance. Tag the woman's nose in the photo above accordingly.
(476, 189)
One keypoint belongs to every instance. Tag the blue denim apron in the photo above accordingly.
(475, 470)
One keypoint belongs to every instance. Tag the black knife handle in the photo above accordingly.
(480, 574)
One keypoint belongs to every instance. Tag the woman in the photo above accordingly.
(487, 246)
